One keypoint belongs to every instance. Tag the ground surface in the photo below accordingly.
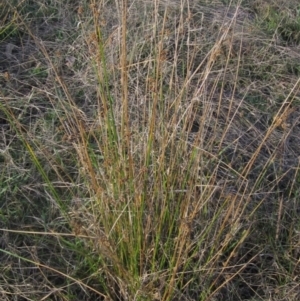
(152, 154)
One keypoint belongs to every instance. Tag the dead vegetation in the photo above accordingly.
(149, 151)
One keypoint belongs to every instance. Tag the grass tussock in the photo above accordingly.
(149, 150)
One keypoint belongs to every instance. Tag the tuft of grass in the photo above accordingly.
(149, 151)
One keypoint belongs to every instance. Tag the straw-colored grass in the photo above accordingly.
(149, 150)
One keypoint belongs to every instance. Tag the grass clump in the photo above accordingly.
(149, 151)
